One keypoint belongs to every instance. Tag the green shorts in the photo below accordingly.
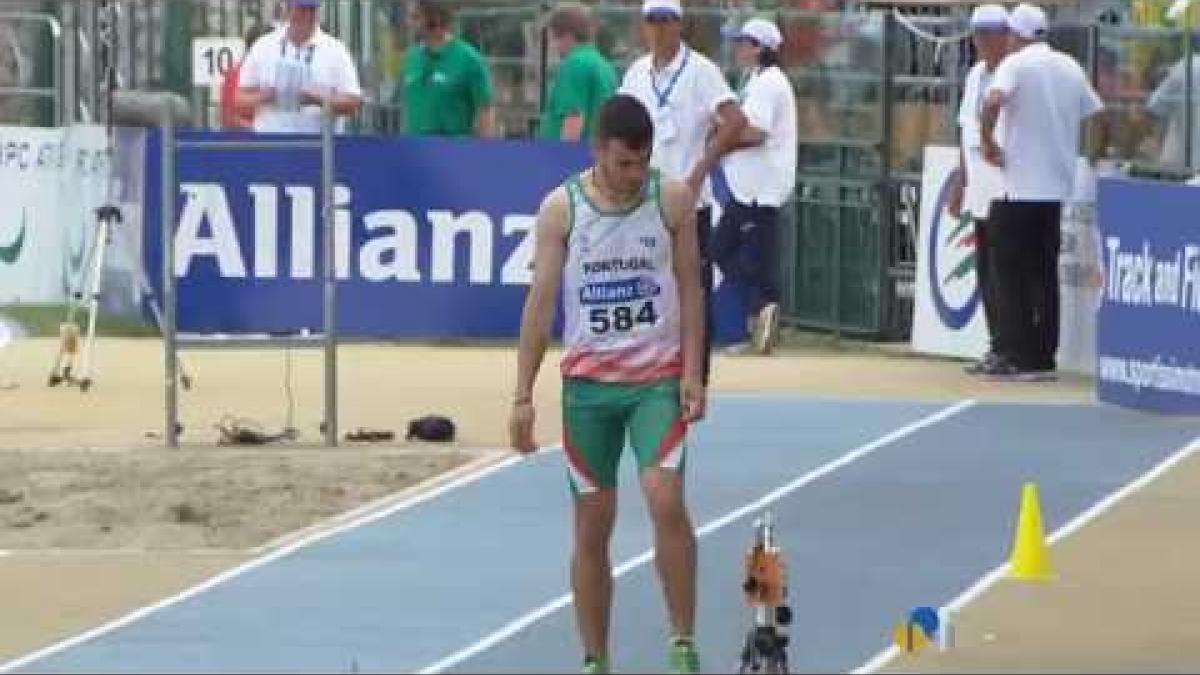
(599, 416)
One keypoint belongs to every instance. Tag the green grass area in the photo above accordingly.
(43, 321)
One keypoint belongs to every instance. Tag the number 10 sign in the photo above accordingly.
(213, 58)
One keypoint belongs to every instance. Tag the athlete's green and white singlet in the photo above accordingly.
(622, 339)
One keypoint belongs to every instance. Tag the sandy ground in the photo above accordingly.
(87, 492)
(194, 499)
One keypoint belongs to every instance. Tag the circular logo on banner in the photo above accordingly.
(952, 261)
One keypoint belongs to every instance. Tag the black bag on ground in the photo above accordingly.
(431, 428)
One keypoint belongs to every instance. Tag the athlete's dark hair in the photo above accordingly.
(624, 118)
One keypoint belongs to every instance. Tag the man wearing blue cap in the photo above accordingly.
(978, 182)
(288, 75)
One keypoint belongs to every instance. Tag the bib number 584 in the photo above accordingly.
(621, 318)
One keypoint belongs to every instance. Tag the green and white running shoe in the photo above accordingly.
(684, 658)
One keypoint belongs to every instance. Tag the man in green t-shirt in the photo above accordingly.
(447, 89)
(585, 78)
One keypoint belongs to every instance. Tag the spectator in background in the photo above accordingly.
(585, 78)
(1045, 96)
(977, 181)
(761, 174)
(696, 117)
(288, 74)
(233, 117)
(447, 88)
(1169, 105)
(737, 13)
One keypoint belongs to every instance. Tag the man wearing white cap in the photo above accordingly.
(1045, 96)
(977, 181)
(690, 102)
(289, 73)
(761, 174)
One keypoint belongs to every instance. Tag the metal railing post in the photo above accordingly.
(328, 177)
(1189, 99)
(56, 66)
(887, 213)
(69, 63)
(169, 190)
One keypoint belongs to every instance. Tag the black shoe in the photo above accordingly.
(1001, 369)
(980, 367)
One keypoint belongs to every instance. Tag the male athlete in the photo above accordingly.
(620, 242)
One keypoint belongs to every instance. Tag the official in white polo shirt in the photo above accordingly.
(1044, 96)
(697, 120)
(979, 182)
(288, 74)
(761, 175)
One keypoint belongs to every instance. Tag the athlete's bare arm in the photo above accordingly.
(680, 202)
(538, 317)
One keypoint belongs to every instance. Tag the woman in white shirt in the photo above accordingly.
(761, 175)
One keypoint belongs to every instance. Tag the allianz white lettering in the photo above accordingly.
(1139, 278)
(390, 250)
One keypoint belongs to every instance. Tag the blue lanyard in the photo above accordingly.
(664, 97)
(304, 54)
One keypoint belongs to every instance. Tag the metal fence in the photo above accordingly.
(873, 90)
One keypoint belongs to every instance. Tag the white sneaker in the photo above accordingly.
(737, 349)
(767, 332)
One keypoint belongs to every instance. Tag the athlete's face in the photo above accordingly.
(624, 169)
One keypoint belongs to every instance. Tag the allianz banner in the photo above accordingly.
(1149, 332)
(433, 236)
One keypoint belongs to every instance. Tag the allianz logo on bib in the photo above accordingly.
(393, 243)
(614, 292)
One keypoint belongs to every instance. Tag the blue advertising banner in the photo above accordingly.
(1148, 339)
(433, 236)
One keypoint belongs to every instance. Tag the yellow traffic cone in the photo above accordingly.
(1030, 556)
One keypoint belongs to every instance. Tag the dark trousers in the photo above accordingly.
(986, 275)
(1026, 239)
(704, 239)
(744, 248)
